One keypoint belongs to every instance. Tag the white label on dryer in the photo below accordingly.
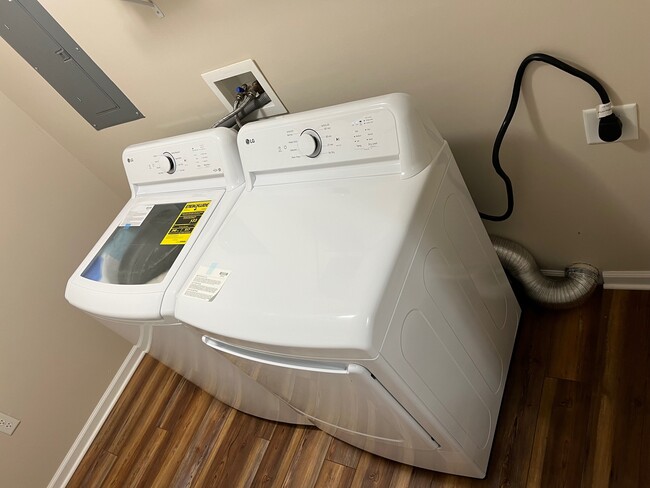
(136, 215)
(206, 283)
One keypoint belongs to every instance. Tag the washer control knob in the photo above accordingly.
(168, 163)
(309, 143)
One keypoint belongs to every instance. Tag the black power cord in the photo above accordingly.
(609, 125)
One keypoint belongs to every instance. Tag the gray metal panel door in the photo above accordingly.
(43, 43)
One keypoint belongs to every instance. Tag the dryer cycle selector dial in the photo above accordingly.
(310, 143)
(168, 163)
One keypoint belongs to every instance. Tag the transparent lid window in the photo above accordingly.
(146, 244)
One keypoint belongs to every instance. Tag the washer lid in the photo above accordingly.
(147, 242)
(127, 272)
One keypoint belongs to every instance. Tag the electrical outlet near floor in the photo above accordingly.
(8, 424)
(223, 82)
(628, 115)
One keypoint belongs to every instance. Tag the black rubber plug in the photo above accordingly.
(610, 128)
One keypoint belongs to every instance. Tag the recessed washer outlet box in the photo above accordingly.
(223, 82)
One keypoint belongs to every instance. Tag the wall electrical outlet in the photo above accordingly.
(8, 424)
(223, 82)
(627, 114)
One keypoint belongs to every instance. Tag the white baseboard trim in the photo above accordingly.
(97, 419)
(615, 280)
(626, 280)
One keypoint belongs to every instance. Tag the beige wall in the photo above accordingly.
(574, 202)
(55, 361)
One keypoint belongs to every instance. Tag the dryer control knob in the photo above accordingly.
(168, 163)
(309, 143)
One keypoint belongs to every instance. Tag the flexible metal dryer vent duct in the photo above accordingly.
(578, 284)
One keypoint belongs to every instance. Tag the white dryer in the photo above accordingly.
(357, 283)
(182, 189)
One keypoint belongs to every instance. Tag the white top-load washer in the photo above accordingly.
(357, 282)
(182, 188)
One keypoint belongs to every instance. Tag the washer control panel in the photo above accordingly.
(342, 138)
(173, 159)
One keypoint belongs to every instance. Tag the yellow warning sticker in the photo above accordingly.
(182, 228)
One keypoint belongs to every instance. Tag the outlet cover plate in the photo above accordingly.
(223, 82)
(8, 424)
(628, 115)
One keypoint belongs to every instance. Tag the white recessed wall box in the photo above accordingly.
(223, 82)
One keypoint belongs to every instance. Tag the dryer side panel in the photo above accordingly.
(453, 330)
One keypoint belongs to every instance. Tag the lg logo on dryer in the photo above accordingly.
(250, 141)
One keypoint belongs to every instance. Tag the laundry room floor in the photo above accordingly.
(576, 413)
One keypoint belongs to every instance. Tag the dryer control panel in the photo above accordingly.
(200, 155)
(378, 136)
(356, 137)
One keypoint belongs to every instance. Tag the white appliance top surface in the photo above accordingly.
(307, 265)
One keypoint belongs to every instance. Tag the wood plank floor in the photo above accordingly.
(576, 413)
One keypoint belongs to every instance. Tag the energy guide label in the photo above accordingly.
(182, 228)
(206, 283)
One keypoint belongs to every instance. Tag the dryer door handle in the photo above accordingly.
(271, 360)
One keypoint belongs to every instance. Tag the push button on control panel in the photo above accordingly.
(309, 143)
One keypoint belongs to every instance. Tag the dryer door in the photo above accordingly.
(346, 401)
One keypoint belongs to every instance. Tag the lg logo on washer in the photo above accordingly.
(250, 141)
